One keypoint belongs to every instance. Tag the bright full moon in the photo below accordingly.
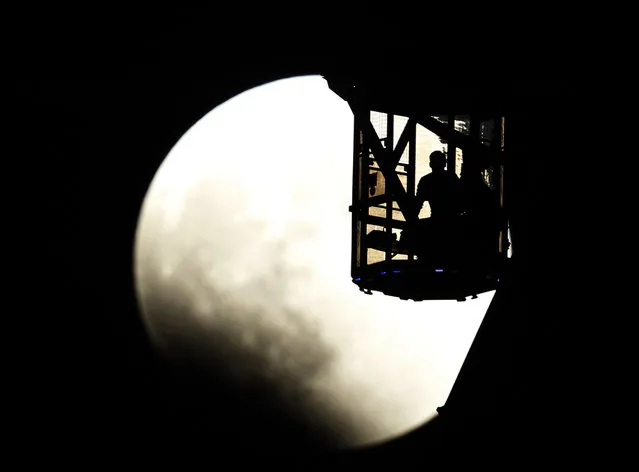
(242, 262)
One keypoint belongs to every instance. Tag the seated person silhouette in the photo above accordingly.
(435, 236)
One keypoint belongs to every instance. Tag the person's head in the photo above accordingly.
(437, 160)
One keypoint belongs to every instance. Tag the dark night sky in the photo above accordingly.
(101, 102)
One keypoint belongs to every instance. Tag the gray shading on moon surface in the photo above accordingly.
(242, 272)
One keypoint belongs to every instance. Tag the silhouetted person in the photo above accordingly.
(436, 236)
(440, 188)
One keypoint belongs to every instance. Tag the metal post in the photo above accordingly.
(356, 197)
(412, 151)
(363, 214)
(390, 118)
(452, 149)
(498, 175)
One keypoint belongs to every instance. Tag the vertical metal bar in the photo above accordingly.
(475, 135)
(412, 158)
(363, 179)
(452, 150)
(390, 128)
(498, 175)
(504, 176)
(355, 205)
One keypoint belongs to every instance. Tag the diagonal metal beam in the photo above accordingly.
(402, 142)
(385, 161)
(356, 109)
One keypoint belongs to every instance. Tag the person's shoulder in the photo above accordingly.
(425, 178)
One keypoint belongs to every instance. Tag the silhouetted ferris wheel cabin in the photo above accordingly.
(426, 224)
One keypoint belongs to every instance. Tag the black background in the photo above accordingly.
(103, 96)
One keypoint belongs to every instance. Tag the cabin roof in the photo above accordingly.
(417, 95)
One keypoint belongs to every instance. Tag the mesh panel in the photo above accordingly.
(379, 121)
(399, 125)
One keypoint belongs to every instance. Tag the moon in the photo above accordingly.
(242, 268)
